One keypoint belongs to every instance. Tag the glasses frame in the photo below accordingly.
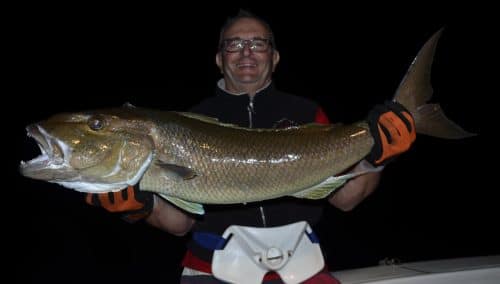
(245, 42)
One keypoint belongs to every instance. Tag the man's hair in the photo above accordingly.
(244, 14)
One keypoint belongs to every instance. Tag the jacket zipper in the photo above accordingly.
(251, 112)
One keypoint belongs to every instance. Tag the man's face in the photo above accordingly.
(247, 68)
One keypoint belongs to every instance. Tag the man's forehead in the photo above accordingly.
(246, 26)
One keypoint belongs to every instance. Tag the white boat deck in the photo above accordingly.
(480, 270)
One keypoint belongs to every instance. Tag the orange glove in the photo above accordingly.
(132, 203)
(393, 130)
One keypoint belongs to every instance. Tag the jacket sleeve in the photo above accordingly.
(321, 116)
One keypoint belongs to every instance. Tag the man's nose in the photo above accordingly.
(246, 48)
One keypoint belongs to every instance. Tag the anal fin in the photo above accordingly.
(322, 189)
(333, 183)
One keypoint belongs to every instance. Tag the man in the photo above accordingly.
(246, 96)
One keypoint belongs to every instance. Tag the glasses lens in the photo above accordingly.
(259, 44)
(233, 45)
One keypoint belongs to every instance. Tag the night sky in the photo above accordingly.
(432, 202)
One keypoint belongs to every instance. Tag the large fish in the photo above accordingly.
(192, 160)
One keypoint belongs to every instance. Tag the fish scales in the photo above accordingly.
(238, 165)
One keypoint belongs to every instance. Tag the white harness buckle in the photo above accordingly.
(251, 252)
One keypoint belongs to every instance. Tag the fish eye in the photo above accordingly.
(96, 123)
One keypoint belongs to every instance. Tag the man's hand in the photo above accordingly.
(393, 130)
(132, 203)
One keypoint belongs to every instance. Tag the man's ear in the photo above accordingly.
(276, 59)
(218, 61)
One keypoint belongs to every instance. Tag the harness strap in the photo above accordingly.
(212, 241)
(209, 241)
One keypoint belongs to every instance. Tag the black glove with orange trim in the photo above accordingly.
(131, 203)
(393, 130)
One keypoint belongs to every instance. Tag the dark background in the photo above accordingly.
(433, 202)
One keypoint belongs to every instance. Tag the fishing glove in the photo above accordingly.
(131, 203)
(393, 130)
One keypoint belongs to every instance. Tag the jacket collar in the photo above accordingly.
(221, 89)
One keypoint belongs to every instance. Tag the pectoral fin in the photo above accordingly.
(190, 207)
(176, 172)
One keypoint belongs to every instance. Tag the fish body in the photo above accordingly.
(235, 165)
(191, 159)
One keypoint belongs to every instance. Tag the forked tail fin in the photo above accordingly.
(415, 90)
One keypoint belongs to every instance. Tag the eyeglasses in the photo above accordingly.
(237, 44)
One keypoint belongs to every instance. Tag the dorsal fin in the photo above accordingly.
(128, 105)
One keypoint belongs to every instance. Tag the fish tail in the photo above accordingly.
(415, 90)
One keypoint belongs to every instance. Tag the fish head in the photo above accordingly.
(90, 152)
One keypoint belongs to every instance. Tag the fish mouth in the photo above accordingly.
(53, 154)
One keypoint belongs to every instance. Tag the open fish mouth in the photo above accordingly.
(53, 151)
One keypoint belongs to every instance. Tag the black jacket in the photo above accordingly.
(269, 108)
